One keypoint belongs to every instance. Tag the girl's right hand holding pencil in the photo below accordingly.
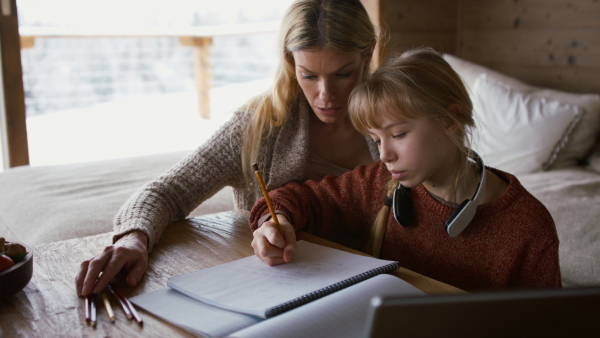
(275, 245)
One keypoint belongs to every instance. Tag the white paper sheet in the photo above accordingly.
(250, 286)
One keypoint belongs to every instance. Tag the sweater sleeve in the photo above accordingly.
(340, 209)
(173, 195)
(540, 266)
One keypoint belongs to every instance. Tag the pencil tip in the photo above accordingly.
(255, 166)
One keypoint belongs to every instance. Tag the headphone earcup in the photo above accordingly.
(402, 204)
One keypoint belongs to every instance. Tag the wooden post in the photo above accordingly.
(13, 122)
(202, 70)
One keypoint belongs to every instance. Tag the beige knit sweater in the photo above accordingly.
(214, 165)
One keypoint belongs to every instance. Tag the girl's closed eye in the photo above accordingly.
(399, 135)
(344, 74)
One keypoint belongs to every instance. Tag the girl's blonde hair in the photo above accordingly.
(418, 83)
(338, 25)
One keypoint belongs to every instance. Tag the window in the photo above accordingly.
(119, 78)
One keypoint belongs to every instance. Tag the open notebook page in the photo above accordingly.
(248, 285)
(340, 314)
(191, 315)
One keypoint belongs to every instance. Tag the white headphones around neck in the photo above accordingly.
(461, 216)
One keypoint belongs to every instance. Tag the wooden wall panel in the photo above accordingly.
(535, 14)
(549, 43)
(553, 44)
(556, 56)
(440, 41)
(421, 15)
(414, 23)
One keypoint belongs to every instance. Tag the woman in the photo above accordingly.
(298, 130)
(417, 110)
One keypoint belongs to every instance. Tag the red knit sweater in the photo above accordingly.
(510, 243)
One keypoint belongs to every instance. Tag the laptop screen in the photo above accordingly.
(516, 313)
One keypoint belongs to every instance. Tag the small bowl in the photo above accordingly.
(13, 279)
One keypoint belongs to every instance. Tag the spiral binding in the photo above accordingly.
(309, 297)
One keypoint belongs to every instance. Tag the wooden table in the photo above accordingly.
(48, 306)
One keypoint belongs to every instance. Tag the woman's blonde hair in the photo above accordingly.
(418, 83)
(338, 25)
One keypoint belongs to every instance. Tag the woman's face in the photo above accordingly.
(327, 79)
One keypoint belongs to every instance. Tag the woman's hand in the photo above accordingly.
(272, 246)
(129, 252)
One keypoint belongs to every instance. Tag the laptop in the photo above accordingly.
(572, 312)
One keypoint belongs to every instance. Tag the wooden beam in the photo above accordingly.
(202, 71)
(14, 121)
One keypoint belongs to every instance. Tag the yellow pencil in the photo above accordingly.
(109, 310)
(261, 183)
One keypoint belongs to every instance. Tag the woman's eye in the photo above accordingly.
(344, 74)
(400, 135)
(308, 77)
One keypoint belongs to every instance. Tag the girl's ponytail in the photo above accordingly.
(379, 226)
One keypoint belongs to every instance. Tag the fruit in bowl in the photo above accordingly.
(16, 268)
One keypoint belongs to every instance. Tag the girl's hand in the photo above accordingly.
(272, 246)
(129, 252)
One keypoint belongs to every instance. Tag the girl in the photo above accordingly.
(417, 110)
(298, 130)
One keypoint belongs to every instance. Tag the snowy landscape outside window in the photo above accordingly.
(103, 97)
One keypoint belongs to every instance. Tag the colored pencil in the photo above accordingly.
(109, 310)
(134, 312)
(88, 305)
(124, 306)
(93, 310)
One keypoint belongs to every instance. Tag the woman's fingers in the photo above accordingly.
(81, 277)
(90, 271)
(117, 260)
(137, 269)
(129, 252)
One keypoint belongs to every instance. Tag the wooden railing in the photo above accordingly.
(200, 38)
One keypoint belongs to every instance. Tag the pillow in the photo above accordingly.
(518, 132)
(583, 135)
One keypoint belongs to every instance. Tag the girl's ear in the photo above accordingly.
(454, 109)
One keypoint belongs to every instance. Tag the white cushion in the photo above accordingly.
(518, 132)
(577, 147)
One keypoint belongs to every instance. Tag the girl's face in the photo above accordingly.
(415, 151)
(327, 79)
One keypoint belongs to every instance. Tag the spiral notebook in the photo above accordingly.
(250, 286)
